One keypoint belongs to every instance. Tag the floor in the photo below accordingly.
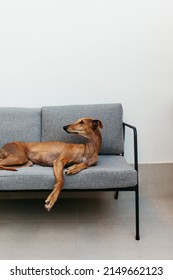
(86, 228)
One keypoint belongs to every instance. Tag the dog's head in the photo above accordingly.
(84, 127)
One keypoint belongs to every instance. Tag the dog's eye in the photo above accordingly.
(81, 122)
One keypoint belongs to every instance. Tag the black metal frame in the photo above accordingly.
(135, 188)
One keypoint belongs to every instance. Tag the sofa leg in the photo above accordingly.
(116, 195)
(137, 213)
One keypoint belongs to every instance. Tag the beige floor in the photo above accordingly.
(86, 228)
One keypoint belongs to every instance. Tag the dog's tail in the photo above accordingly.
(7, 168)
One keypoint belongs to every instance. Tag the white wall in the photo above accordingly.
(93, 51)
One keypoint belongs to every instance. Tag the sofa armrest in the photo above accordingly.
(134, 141)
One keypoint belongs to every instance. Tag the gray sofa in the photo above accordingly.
(112, 172)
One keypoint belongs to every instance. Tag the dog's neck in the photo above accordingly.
(93, 143)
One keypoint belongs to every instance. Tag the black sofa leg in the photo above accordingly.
(137, 212)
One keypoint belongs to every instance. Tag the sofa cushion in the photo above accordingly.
(54, 118)
(20, 124)
(110, 171)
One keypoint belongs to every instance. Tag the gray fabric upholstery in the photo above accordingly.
(19, 124)
(54, 118)
(110, 171)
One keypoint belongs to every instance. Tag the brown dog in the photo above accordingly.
(56, 154)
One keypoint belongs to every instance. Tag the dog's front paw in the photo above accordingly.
(49, 202)
(72, 170)
(47, 205)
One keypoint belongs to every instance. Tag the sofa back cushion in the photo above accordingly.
(54, 118)
(20, 124)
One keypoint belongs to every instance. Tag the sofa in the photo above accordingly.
(111, 173)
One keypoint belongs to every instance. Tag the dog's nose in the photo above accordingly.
(65, 128)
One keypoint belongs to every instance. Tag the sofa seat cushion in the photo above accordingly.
(110, 171)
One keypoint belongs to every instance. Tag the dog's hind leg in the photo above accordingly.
(12, 154)
(7, 168)
(11, 162)
(29, 163)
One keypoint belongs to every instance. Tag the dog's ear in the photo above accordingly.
(97, 123)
